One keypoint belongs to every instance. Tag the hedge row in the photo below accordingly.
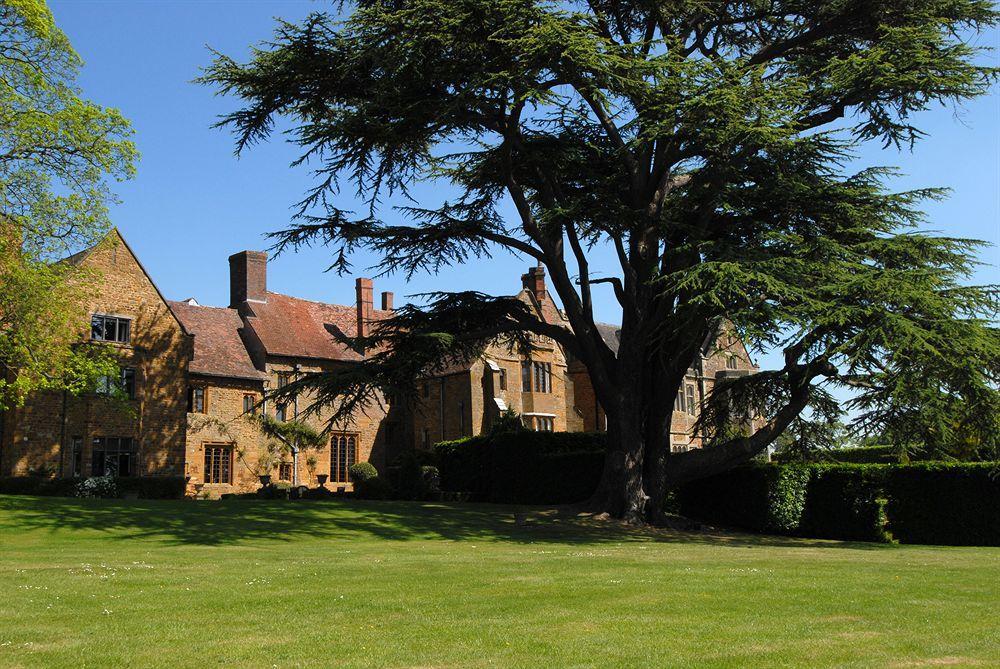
(524, 467)
(931, 503)
(144, 487)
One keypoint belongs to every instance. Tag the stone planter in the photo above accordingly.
(265, 479)
(322, 479)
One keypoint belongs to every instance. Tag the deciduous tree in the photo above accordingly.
(57, 153)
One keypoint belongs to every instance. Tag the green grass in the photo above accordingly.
(352, 584)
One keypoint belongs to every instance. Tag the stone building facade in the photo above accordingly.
(198, 379)
(141, 433)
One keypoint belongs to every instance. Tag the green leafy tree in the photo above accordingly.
(293, 436)
(705, 143)
(57, 152)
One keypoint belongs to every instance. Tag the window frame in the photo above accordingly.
(690, 398)
(503, 379)
(284, 471)
(251, 399)
(76, 461)
(118, 321)
(128, 382)
(103, 445)
(536, 376)
(340, 466)
(213, 455)
(193, 392)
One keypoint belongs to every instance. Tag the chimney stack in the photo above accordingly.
(386, 301)
(365, 306)
(247, 277)
(534, 281)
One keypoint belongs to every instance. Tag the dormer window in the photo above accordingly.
(110, 328)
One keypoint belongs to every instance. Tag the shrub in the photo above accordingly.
(524, 467)
(146, 487)
(760, 497)
(945, 503)
(846, 502)
(33, 485)
(153, 487)
(97, 486)
(932, 502)
(362, 471)
(885, 455)
(280, 490)
(373, 488)
(431, 478)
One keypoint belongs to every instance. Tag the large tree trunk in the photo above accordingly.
(621, 492)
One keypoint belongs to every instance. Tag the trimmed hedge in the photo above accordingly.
(939, 503)
(37, 485)
(845, 502)
(524, 467)
(945, 503)
(144, 487)
(762, 498)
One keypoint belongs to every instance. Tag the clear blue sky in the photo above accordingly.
(193, 203)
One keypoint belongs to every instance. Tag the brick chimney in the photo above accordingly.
(386, 301)
(247, 277)
(365, 306)
(534, 281)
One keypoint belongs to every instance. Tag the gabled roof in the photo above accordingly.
(610, 334)
(80, 257)
(293, 327)
(218, 347)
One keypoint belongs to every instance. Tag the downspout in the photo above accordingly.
(441, 408)
(62, 437)
(295, 412)
(701, 391)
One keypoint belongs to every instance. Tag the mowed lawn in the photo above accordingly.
(94, 583)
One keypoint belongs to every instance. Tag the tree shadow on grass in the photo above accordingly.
(232, 522)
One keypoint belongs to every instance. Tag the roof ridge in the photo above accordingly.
(201, 306)
(327, 304)
(306, 299)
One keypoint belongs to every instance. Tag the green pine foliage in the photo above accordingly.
(706, 144)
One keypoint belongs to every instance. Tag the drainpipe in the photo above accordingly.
(62, 437)
(441, 408)
(701, 390)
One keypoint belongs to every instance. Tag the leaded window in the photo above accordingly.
(343, 454)
(218, 463)
(113, 456)
(110, 328)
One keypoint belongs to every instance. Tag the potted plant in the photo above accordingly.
(265, 464)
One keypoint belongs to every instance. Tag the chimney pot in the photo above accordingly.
(365, 305)
(247, 277)
(386, 301)
(534, 281)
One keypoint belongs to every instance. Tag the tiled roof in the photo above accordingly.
(218, 348)
(293, 327)
(609, 333)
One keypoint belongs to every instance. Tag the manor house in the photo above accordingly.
(193, 376)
